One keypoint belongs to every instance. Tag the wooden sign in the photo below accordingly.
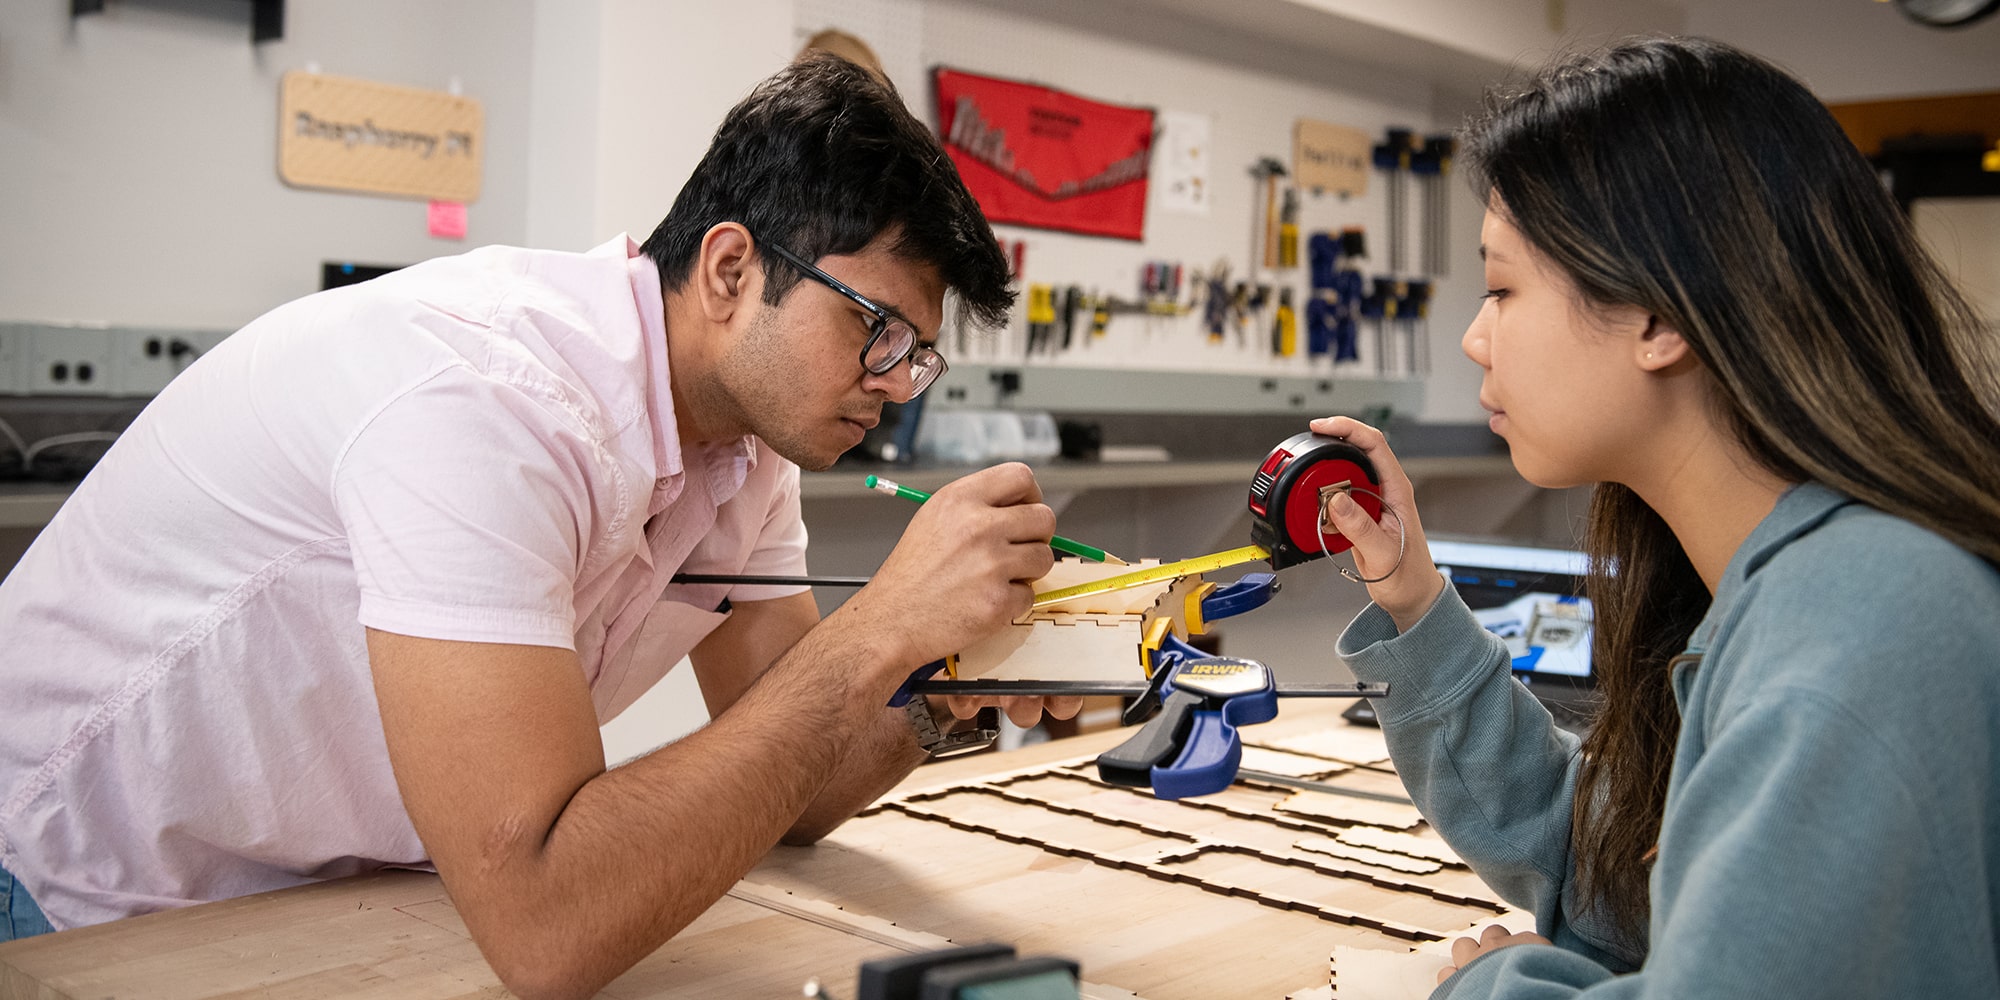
(1330, 157)
(358, 135)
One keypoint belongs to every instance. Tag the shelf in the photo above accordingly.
(267, 17)
(31, 505)
(1067, 389)
(1077, 477)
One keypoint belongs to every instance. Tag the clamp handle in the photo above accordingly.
(1213, 749)
(908, 689)
(1249, 593)
(1192, 746)
(1131, 763)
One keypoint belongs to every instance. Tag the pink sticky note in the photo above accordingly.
(448, 219)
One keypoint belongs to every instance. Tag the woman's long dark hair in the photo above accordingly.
(1711, 189)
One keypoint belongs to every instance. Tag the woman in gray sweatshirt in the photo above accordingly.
(1701, 299)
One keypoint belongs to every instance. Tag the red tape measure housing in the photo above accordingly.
(1301, 508)
(1285, 496)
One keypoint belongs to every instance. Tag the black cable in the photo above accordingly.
(771, 581)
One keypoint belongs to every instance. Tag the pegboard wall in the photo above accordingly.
(1135, 52)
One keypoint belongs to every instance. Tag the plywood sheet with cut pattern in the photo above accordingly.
(1026, 847)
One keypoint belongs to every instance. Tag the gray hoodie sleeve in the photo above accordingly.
(1484, 762)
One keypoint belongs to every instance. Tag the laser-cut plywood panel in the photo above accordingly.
(1221, 896)
(1130, 885)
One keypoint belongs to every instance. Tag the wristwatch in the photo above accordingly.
(940, 742)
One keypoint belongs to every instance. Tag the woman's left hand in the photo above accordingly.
(1494, 938)
(1408, 581)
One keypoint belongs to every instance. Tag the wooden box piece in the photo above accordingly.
(1097, 638)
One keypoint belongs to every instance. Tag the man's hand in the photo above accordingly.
(1494, 938)
(964, 568)
(1022, 710)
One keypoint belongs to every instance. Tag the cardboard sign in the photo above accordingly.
(358, 135)
(1034, 156)
(1330, 157)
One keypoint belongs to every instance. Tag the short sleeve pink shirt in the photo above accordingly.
(478, 448)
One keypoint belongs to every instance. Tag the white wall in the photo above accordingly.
(671, 71)
(670, 710)
(1851, 50)
(1964, 235)
(563, 92)
(626, 96)
(138, 182)
(1510, 31)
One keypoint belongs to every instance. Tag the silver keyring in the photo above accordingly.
(1402, 539)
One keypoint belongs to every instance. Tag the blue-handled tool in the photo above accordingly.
(1192, 746)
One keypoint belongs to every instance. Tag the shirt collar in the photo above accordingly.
(645, 278)
(1798, 511)
(731, 461)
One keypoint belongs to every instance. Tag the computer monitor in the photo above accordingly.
(340, 273)
(1532, 598)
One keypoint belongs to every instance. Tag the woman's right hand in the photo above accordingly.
(1414, 585)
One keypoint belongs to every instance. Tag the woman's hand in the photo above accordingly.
(1494, 938)
(1409, 591)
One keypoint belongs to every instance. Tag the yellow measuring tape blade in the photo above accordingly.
(1154, 574)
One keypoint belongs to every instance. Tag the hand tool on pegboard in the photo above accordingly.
(1379, 308)
(1285, 326)
(1041, 318)
(1413, 313)
(1072, 301)
(1431, 165)
(1288, 230)
(1392, 157)
(1264, 239)
(1216, 303)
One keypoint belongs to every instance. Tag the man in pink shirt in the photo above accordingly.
(359, 588)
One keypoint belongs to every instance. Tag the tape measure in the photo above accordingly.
(1291, 488)
(1162, 573)
(1287, 496)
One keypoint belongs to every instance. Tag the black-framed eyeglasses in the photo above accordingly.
(891, 339)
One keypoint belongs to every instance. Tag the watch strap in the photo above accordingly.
(940, 742)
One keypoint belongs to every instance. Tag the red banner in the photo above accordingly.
(1040, 157)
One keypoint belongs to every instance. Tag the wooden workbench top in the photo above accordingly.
(1021, 847)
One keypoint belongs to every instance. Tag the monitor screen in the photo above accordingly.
(1533, 599)
(338, 274)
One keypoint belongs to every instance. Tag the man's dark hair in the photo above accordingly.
(821, 159)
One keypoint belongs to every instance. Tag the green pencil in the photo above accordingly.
(1058, 543)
